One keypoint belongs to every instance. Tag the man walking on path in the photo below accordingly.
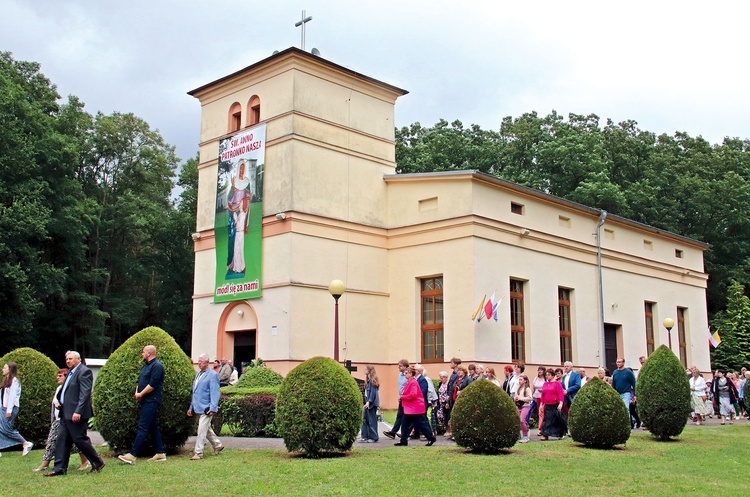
(205, 403)
(74, 402)
(402, 365)
(623, 381)
(149, 394)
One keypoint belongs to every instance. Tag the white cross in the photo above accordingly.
(302, 23)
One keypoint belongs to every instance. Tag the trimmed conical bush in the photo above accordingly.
(598, 416)
(116, 411)
(37, 374)
(485, 419)
(663, 393)
(319, 408)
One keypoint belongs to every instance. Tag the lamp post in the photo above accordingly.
(337, 289)
(669, 324)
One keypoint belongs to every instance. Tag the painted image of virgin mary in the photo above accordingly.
(238, 210)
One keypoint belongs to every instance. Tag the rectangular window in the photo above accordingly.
(564, 221)
(610, 234)
(431, 295)
(236, 121)
(255, 114)
(649, 328)
(516, 208)
(566, 336)
(681, 335)
(678, 253)
(517, 342)
(648, 245)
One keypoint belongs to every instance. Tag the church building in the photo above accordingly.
(298, 188)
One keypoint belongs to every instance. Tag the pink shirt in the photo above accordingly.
(412, 399)
(552, 392)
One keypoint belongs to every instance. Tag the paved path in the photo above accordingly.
(384, 442)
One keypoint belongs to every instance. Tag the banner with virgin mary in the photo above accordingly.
(238, 223)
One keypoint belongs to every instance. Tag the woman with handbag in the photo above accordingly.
(698, 395)
(522, 398)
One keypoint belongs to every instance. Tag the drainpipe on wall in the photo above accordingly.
(602, 217)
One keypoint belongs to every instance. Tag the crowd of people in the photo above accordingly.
(548, 395)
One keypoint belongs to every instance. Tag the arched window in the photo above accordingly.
(235, 117)
(253, 110)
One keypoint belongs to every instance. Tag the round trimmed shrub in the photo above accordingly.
(37, 374)
(663, 393)
(485, 419)
(259, 377)
(117, 412)
(319, 408)
(598, 416)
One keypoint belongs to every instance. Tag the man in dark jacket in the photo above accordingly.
(74, 402)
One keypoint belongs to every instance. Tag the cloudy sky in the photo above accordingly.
(670, 66)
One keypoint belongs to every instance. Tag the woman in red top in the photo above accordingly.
(552, 397)
(412, 401)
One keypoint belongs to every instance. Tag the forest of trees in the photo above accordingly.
(93, 247)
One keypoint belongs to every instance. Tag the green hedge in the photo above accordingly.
(598, 416)
(248, 416)
(259, 377)
(38, 376)
(663, 393)
(319, 408)
(485, 418)
(115, 408)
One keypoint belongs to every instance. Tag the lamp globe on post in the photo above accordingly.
(337, 289)
(669, 324)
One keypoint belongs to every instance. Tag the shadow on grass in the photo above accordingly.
(471, 452)
(614, 448)
(322, 455)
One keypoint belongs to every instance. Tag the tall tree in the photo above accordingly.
(734, 329)
(127, 168)
(30, 151)
(446, 147)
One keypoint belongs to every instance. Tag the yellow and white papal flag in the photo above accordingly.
(713, 338)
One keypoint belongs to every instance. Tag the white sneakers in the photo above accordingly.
(27, 446)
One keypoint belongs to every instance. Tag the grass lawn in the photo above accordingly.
(703, 461)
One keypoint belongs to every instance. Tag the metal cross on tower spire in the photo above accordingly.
(302, 23)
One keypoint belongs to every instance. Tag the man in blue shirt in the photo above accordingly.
(149, 394)
(205, 404)
(623, 381)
